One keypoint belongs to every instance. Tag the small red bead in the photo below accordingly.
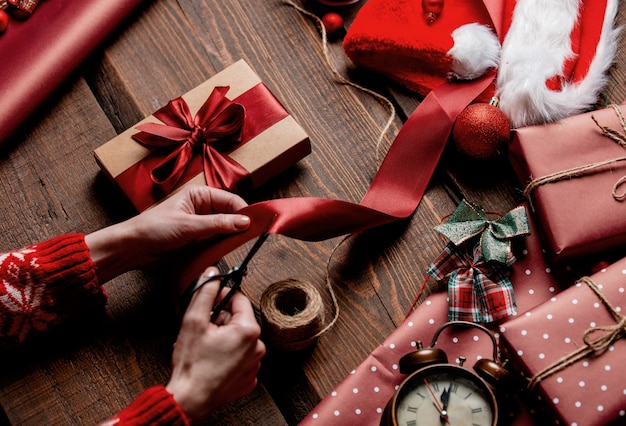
(599, 266)
(4, 21)
(333, 22)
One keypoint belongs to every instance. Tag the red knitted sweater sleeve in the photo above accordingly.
(155, 406)
(44, 285)
(55, 281)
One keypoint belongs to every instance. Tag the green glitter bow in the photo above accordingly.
(469, 220)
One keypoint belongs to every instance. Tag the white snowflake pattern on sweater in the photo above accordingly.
(22, 297)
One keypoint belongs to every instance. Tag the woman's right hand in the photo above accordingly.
(215, 363)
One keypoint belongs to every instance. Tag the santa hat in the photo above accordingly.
(551, 58)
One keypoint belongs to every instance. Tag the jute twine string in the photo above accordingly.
(612, 333)
(292, 311)
(292, 314)
(579, 171)
(380, 98)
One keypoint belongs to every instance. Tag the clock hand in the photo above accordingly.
(443, 414)
(445, 398)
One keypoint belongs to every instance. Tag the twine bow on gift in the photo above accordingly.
(217, 126)
(478, 291)
(612, 333)
(616, 136)
(469, 220)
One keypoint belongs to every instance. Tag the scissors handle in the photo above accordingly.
(234, 275)
(219, 306)
(192, 288)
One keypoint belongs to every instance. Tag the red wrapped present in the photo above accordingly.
(573, 170)
(230, 132)
(571, 352)
(359, 400)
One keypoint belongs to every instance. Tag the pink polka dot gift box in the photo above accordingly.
(572, 171)
(360, 399)
(570, 352)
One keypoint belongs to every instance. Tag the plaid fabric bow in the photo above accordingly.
(469, 220)
(478, 291)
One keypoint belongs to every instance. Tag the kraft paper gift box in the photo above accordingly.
(585, 387)
(576, 212)
(359, 400)
(250, 139)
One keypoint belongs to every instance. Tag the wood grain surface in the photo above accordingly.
(52, 185)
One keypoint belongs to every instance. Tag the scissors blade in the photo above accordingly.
(241, 268)
(234, 276)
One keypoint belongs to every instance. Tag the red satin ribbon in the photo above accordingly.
(177, 143)
(394, 194)
(219, 120)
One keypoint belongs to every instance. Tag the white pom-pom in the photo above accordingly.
(476, 50)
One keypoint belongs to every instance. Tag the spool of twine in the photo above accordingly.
(292, 314)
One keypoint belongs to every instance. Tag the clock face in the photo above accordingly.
(444, 395)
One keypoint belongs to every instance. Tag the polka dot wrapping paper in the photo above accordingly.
(591, 391)
(361, 397)
(577, 215)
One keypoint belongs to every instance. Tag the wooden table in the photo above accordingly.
(51, 185)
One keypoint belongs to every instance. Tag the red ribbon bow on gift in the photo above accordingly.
(217, 125)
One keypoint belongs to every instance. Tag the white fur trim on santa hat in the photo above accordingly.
(535, 50)
(476, 49)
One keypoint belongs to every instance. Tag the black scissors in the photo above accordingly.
(231, 279)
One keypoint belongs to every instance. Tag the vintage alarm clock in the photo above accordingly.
(439, 393)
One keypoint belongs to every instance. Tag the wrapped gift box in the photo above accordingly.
(577, 215)
(270, 141)
(592, 389)
(360, 398)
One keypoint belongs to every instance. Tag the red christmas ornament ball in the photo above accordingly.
(333, 22)
(481, 131)
(4, 21)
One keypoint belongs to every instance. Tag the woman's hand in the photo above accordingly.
(193, 214)
(214, 364)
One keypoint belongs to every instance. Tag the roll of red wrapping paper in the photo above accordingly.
(39, 53)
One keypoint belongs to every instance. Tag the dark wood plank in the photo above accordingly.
(54, 186)
(55, 191)
(343, 124)
(86, 373)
